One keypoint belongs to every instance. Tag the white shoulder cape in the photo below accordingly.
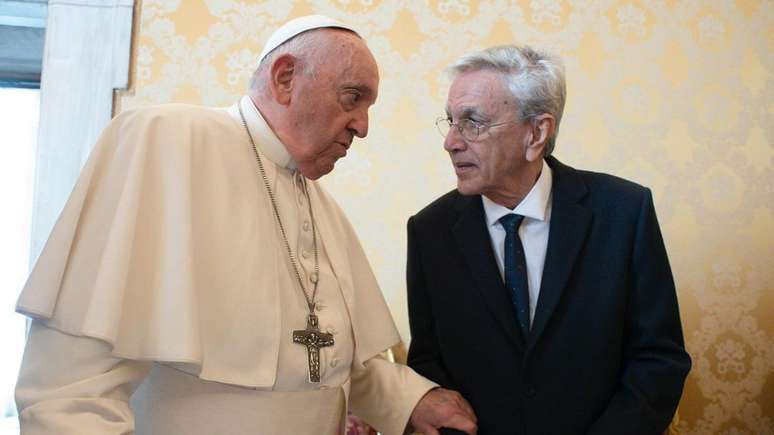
(167, 250)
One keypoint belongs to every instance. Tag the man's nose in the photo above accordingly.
(454, 140)
(359, 124)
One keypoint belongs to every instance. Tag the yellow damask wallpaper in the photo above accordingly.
(673, 94)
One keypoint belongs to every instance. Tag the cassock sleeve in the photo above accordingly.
(70, 385)
(384, 394)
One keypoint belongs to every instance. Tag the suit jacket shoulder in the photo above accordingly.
(599, 192)
(441, 209)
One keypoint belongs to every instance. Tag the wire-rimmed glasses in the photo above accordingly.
(468, 128)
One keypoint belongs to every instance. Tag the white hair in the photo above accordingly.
(534, 78)
(306, 46)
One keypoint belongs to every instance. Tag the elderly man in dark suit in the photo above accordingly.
(541, 292)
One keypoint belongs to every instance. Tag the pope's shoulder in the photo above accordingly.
(175, 116)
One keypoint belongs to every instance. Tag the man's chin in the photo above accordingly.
(311, 173)
(317, 171)
(465, 187)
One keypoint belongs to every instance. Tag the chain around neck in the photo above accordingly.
(310, 298)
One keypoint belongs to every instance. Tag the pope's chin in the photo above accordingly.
(314, 172)
(323, 169)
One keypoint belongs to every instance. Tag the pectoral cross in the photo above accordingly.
(313, 339)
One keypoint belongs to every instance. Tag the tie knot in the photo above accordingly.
(511, 222)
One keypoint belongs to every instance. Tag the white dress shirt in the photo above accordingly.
(533, 231)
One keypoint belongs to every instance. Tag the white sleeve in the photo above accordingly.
(384, 394)
(72, 385)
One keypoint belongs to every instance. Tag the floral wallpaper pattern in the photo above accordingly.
(674, 94)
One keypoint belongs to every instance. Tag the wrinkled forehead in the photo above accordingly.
(354, 64)
(357, 49)
(366, 63)
(477, 93)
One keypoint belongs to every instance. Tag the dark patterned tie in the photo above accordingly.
(515, 270)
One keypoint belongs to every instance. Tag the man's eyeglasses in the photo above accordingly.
(468, 128)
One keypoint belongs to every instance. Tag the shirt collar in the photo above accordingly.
(267, 142)
(534, 206)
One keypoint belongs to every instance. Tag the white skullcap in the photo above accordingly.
(299, 25)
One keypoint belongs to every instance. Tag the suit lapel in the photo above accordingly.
(473, 240)
(569, 226)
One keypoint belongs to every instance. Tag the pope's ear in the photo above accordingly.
(281, 81)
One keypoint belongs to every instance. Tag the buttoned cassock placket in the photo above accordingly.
(331, 308)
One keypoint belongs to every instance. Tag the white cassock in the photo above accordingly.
(167, 271)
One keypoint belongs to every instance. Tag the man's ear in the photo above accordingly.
(543, 127)
(281, 79)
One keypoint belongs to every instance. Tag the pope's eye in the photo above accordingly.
(351, 98)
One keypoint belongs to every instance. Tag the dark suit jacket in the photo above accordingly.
(605, 353)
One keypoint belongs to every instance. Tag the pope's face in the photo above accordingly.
(330, 106)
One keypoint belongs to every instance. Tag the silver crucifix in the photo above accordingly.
(313, 339)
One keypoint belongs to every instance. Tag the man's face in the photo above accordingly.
(330, 107)
(491, 164)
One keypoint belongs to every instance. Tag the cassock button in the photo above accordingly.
(334, 362)
(306, 226)
(530, 392)
(305, 254)
(313, 277)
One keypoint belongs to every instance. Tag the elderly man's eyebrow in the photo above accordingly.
(468, 112)
(363, 89)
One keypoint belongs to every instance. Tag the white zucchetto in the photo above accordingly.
(297, 26)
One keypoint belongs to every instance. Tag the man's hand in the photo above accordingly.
(443, 408)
